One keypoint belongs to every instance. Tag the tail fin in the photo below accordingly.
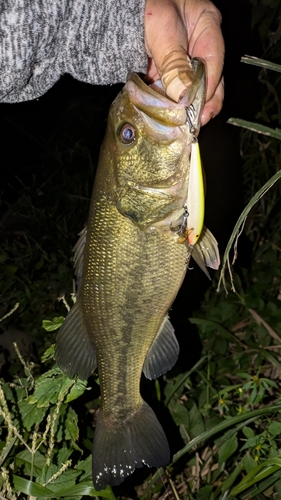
(120, 447)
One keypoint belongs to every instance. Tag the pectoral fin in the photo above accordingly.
(75, 353)
(163, 353)
(205, 252)
(196, 196)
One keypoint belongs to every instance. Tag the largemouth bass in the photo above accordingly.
(130, 264)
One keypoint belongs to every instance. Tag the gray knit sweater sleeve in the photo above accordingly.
(96, 41)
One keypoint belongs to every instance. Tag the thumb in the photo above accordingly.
(166, 44)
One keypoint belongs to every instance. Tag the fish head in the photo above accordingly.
(150, 139)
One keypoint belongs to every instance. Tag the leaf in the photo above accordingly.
(267, 468)
(157, 390)
(7, 449)
(180, 415)
(46, 473)
(86, 466)
(212, 422)
(16, 394)
(30, 415)
(278, 487)
(71, 425)
(30, 488)
(184, 434)
(47, 388)
(231, 478)
(65, 480)
(249, 463)
(255, 492)
(228, 448)
(63, 455)
(180, 382)
(250, 443)
(45, 393)
(204, 493)
(66, 384)
(48, 354)
(196, 424)
(248, 432)
(54, 324)
(275, 428)
(79, 387)
(38, 491)
(32, 462)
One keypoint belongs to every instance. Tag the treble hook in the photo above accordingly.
(189, 116)
(181, 228)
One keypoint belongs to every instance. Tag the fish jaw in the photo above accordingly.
(153, 104)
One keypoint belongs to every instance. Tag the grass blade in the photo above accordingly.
(262, 63)
(38, 491)
(215, 430)
(184, 377)
(260, 472)
(256, 127)
(262, 486)
(239, 225)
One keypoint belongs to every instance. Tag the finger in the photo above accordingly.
(206, 41)
(166, 44)
(214, 105)
(174, 28)
(164, 30)
(151, 73)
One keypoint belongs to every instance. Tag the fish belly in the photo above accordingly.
(131, 278)
(130, 281)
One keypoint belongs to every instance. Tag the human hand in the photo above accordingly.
(175, 28)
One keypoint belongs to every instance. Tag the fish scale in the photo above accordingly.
(134, 299)
(130, 263)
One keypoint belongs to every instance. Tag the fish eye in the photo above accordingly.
(127, 133)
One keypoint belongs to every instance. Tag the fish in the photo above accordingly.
(130, 262)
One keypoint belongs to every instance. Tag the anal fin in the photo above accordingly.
(163, 352)
(205, 252)
(75, 352)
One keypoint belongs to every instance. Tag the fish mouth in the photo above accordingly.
(152, 100)
(154, 104)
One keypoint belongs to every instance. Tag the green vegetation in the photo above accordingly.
(226, 409)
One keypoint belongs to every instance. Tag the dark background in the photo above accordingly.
(56, 140)
(79, 110)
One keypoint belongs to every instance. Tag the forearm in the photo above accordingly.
(96, 41)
